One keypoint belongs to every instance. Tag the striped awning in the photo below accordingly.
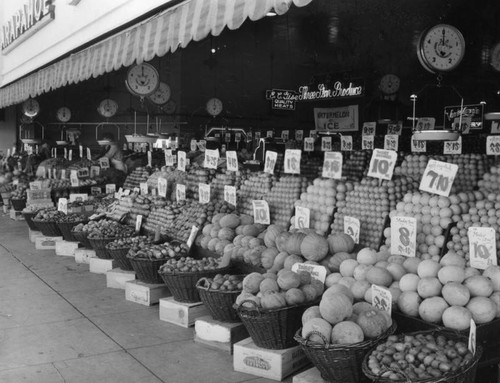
(156, 36)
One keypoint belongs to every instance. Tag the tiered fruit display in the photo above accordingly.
(167, 250)
(163, 217)
(134, 243)
(282, 197)
(189, 265)
(196, 175)
(311, 167)
(490, 181)
(105, 229)
(355, 165)
(218, 183)
(48, 215)
(134, 179)
(173, 177)
(413, 165)
(254, 188)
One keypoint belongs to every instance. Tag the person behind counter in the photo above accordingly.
(114, 153)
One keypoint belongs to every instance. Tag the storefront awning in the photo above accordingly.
(158, 35)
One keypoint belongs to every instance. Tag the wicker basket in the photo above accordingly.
(28, 217)
(18, 204)
(48, 228)
(6, 198)
(183, 285)
(120, 256)
(465, 374)
(66, 230)
(339, 363)
(81, 236)
(218, 302)
(146, 269)
(99, 245)
(275, 328)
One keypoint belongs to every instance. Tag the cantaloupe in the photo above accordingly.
(347, 281)
(493, 273)
(309, 313)
(457, 318)
(251, 283)
(317, 325)
(359, 307)
(471, 271)
(428, 268)
(332, 279)
(452, 259)
(347, 332)
(310, 292)
(379, 276)
(360, 271)
(451, 273)
(455, 294)
(338, 289)
(372, 322)
(359, 288)
(483, 309)
(231, 221)
(396, 259)
(429, 287)
(288, 280)
(411, 264)
(431, 309)
(409, 282)
(409, 302)
(269, 284)
(395, 293)
(335, 308)
(347, 267)
(367, 256)
(479, 286)
(396, 270)
(294, 296)
(340, 242)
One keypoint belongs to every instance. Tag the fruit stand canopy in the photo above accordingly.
(156, 36)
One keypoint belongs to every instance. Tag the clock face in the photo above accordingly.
(170, 106)
(161, 95)
(63, 114)
(214, 106)
(441, 48)
(495, 57)
(31, 107)
(107, 108)
(142, 79)
(389, 84)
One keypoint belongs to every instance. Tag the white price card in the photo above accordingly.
(395, 128)
(269, 134)
(493, 145)
(62, 205)
(346, 143)
(381, 298)
(367, 142)
(29, 150)
(482, 247)
(438, 177)
(463, 124)
(285, 135)
(326, 144)
(181, 161)
(193, 145)
(204, 193)
(261, 212)
(382, 164)
(89, 154)
(227, 137)
(352, 227)
(150, 158)
(95, 171)
(292, 161)
(169, 158)
(369, 128)
(270, 163)
(404, 236)
(302, 217)
(63, 174)
(391, 142)
(138, 223)
(126, 192)
(202, 145)
(418, 146)
(103, 162)
(332, 165)
(426, 123)
(237, 137)
(453, 147)
(232, 161)
(257, 135)
(70, 155)
(313, 133)
(249, 136)
(495, 127)
(299, 135)
(110, 188)
(211, 158)
(65, 153)
(73, 178)
(180, 192)
(143, 186)
(317, 272)
(192, 236)
(472, 337)
(230, 194)
(308, 144)
(162, 187)
(95, 190)
(80, 149)
(42, 171)
(8, 152)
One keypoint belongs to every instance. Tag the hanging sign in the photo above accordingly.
(269, 134)
(95, 171)
(232, 161)
(418, 146)
(332, 165)
(352, 227)
(472, 117)
(453, 147)
(493, 145)
(395, 128)
(326, 144)
(382, 164)
(285, 134)
(426, 123)
(103, 162)
(230, 194)
(381, 298)
(302, 217)
(261, 212)
(181, 161)
(404, 236)
(73, 178)
(438, 177)
(292, 161)
(162, 187)
(270, 163)
(308, 144)
(138, 223)
(110, 188)
(367, 142)
(391, 142)
(143, 186)
(346, 143)
(211, 158)
(62, 205)
(180, 192)
(282, 99)
(313, 133)
(204, 193)
(369, 128)
(169, 158)
(339, 119)
(482, 247)
(299, 135)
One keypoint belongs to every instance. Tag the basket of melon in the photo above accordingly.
(337, 334)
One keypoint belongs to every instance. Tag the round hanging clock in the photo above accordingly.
(389, 84)
(31, 107)
(170, 107)
(63, 114)
(142, 79)
(214, 106)
(441, 48)
(161, 95)
(107, 108)
(495, 57)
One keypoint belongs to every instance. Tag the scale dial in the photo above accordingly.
(170, 107)
(441, 48)
(214, 106)
(63, 114)
(495, 57)
(161, 95)
(142, 80)
(31, 107)
(389, 84)
(107, 108)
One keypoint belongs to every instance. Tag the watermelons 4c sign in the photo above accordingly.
(340, 119)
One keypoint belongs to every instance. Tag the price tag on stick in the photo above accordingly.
(453, 147)
(391, 142)
(418, 146)
(62, 205)
(367, 142)
(381, 298)
(317, 272)
(181, 161)
(103, 162)
(169, 158)
(89, 154)
(270, 163)
(232, 161)
(138, 223)
(302, 217)
(192, 236)
(332, 165)
(482, 247)
(472, 337)
(110, 188)
(346, 143)
(352, 227)
(73, 177)
(180, 192)
(382, 164)
(162, 187)
(285, 134)
(308, 144)
(230, 194)
(261, 212)
(204, 193)
(493, 145)
(438, 177)
(292, 161)
(369, 128)
(211, 158)
(144, 188)
(404, 236)
(299, 135)
(326, 144)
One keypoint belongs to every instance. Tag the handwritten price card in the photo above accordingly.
(395, 128)
(438, 177)
(211, 158)
(346, 143)
(62, 205)
(382, 164)
(292, 161)
(162, 187)
(426, 123)
(261, 212)
(326, 144)
(453, 147)
(369, 128)
(103, 162)
(308, 144)
(381, 298)
(418, 146)
(169, 158)
(482, 247)
(232, 161)
(181, 161)
(180, 192)
(493, 145)
(143, 186)
(367, 142)
(391, 142)
(192, 236)
(299, 135)
(404, 236)
(73, 178)
(302, 217)
(95, 171)
(332, 165)
(237, 137)
(110, 188)
(317, 272)
(270, 134)
(270, 163)
(285, 135)
(227, 137)
(230, 194)
(138, 223)
(352, 227)
(204, 193)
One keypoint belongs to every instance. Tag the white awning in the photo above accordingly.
(158, 35)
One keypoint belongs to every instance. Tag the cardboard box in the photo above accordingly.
(219, 335)
(101, 266)
(180, 313)
(145, 293)
(116, 278)
(66, 248)
(34, 235)
(83, 255)
(46, 243)
(16, 215)
(309, 376)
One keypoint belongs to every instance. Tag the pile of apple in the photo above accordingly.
(225, 282)
(490, 181)
(167, 250)
(218, 183)
(282, 197)
(189, 265)
(105, 229)
(354, 165)
(413, 165)
(19, 192)
(253, 188)
(48, 215)
(311, 166)
(72, 217)
(135, 243)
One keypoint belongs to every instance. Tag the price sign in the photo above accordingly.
(162, 187)
(232, 161)
(438, 177)
(269, 134)
(62, 205)
(292, 161)
(391, 142)
(482, 247)
(285, 135)
(367, 142)
(453, 147)
(352, 227)
(404, 236)
(181, 161)
(257, 135)
(95, 171)
(70, 155)
(211, 158)
(495, 127)
(261, 212)
(65, 153)
(493, 145)
(369, 128)
(237, 137)
(426, 123)
(346, 143)
(313, 133)
(302, 217)
(227, 137)
(249, 136)
(169, 158)
(103, 162)
(204, 193)
(308, 144)
(270, 163)
(192, 236)
(8, 152)
(326, 144)
(143, 186)
(332, 165)
(95, 190)
(29, 149)
(80, 148)
(317, 272)
(418, 146)
(472, 337)
(89, 154)
(193, 145)
(202, 145)
(138, 223)
(35, 185)
(230, 194)
(42, 171)
(382, 164)
(180, 192)
(54, 152)
(395, 128)
(299, 135)
(73, 178)
(110, 188)
(381, 298)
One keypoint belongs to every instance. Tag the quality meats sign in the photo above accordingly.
(340, 119)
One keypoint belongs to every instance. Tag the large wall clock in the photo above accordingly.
(142, 79)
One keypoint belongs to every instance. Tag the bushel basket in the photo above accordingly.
(218, 302)
(340, 363)
(120, 256)
(81, 236)
(99, 245)
(28, 217)
(18, 204)
(182, 285)
(48, 228)
(66, 230)
(146, 269)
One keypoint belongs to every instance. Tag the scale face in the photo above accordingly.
(31, 107)
(63, 114)
(161, 95)
(389, 84)
(214, 106)
(107, 108)
(142, 80)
